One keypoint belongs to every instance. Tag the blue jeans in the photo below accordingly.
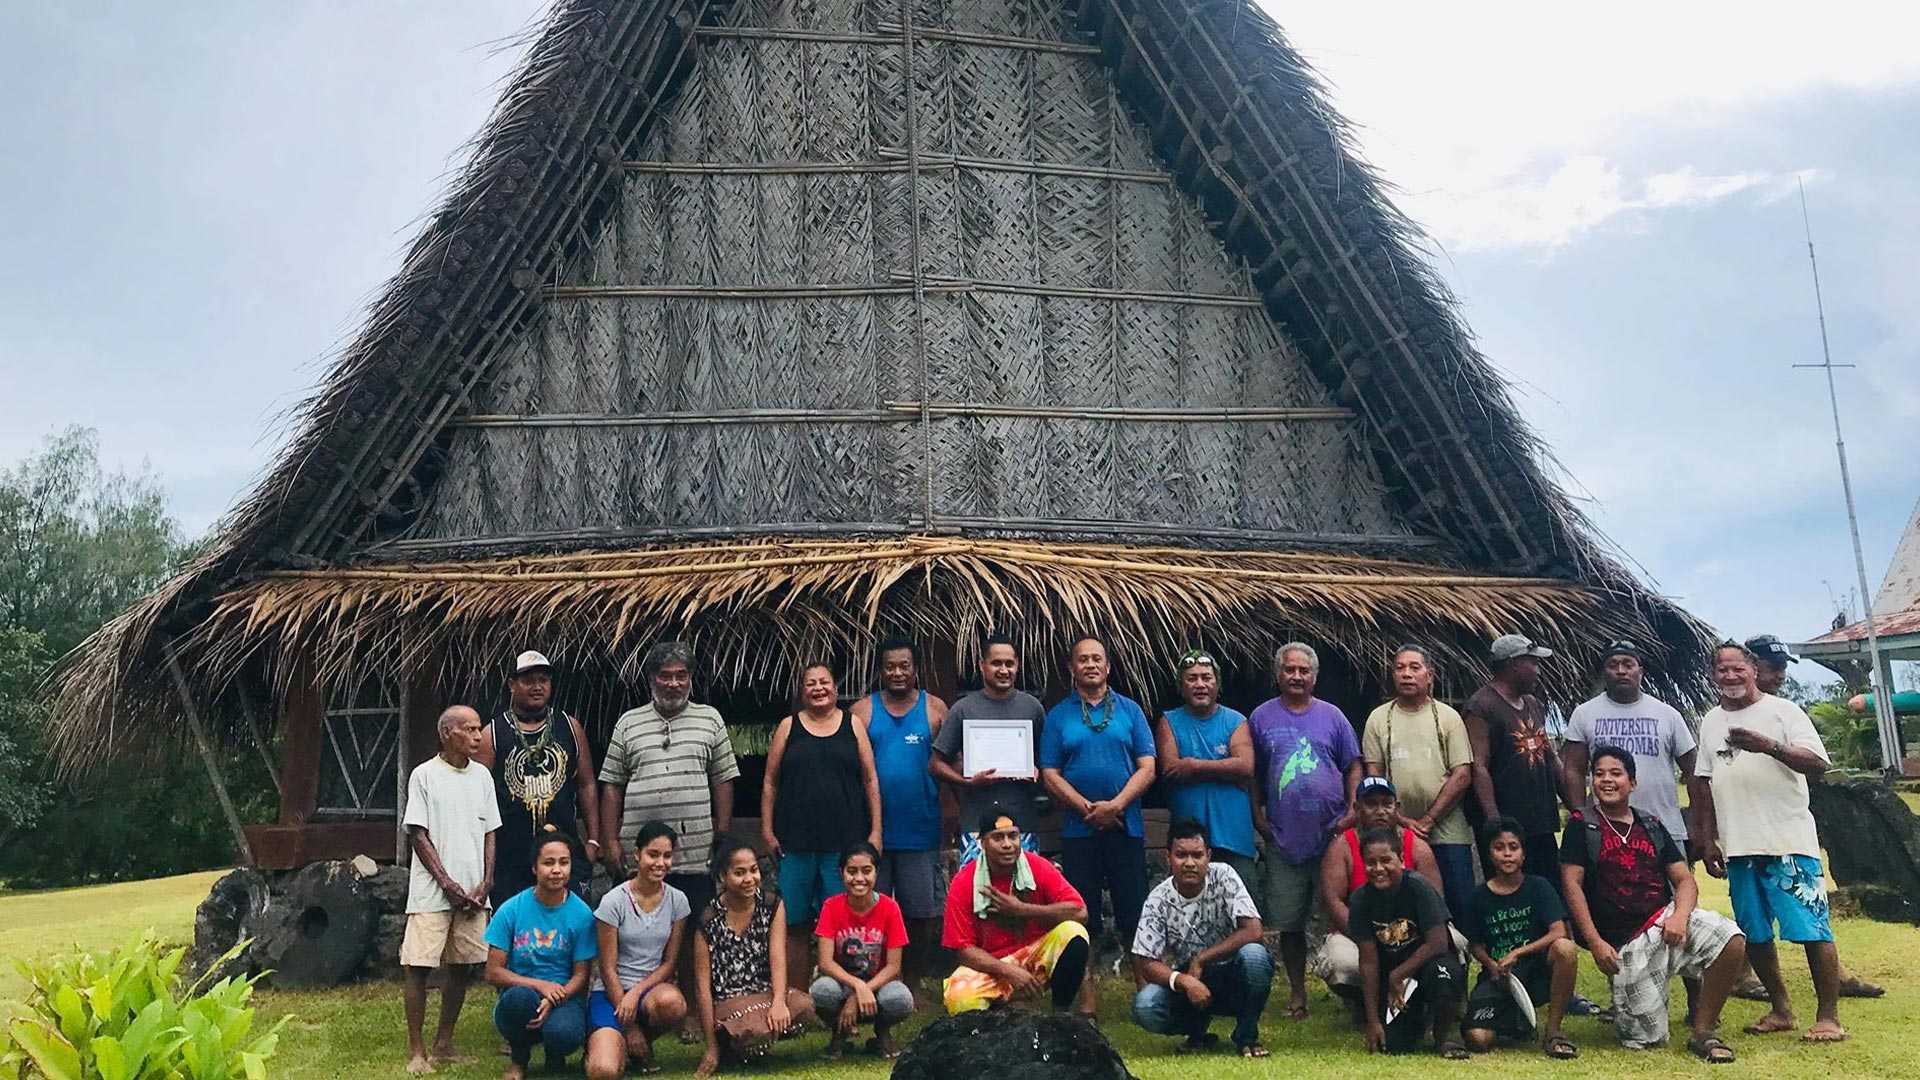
(1456, 876)
(1240, 985)
(563, 1032)
(893, 1002)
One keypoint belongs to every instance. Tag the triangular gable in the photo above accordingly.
(1900, 590)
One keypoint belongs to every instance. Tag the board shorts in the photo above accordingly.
(1787, 889)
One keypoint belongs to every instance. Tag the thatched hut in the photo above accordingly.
(785, 324)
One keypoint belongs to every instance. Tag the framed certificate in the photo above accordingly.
(1005, 746)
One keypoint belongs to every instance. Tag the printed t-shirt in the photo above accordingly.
(1221, 806)
(1759, 803)
(543, 942)
(458, 810)
(996, 935)
(1629, 887)
(1653, 732)
(1397, 921)
(1176, 929)
(1519, 759)
(668, 768)
(1097, 753)
(1417, 750)
(1505, 923)
(1017, 796)
(1301, 762)
(860, 942)
(642, 936)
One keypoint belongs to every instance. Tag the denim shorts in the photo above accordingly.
(807, 878)
(1787, 889)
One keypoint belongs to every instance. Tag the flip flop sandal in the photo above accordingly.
(872, 1046)
(1452, 1050)
(1199, 1044)
(1561, 1048)
(1711, 1050)
(1825, 1037)
(644, 1067)
(1254, 1050)
(1856, 987)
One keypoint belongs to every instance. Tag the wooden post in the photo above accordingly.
(206, 757)
(301, 717)
(402, 767)
(253, 728)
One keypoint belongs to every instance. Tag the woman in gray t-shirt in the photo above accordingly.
(641, 922)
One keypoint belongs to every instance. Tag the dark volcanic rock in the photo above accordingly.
(318, 931)
(1873, 845)
(1007, 1044)
(223, 918)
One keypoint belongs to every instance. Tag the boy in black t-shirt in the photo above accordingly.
(1633, 902)
(1517, 929)
(1407, 965)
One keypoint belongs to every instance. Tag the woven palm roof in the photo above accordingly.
(1232, 114)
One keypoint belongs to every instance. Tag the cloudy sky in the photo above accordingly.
(199, 199)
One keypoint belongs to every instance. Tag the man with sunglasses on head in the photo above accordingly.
(1755, 829)
(1204, 752)
(1770, 675)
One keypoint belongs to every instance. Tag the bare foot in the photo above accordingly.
(1297, 1008)
(1770, 1023)
(444, 1054)
(1825, 1031)
(418, 1065)
(514, 1072)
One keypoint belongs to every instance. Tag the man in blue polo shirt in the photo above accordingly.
(1096, 758)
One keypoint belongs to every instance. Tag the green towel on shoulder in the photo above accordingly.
(983, 881)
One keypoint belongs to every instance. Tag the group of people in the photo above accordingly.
(1430, 839)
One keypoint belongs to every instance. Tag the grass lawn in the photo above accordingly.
(357, 1031)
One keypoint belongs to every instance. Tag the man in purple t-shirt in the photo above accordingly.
(1306, 766)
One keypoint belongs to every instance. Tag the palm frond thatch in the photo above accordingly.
(757, 611)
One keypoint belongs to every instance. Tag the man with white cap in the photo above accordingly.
(542, 778)
(1515, 772)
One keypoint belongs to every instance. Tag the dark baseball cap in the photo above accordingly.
(1623, 647)
(1771, 650)
(1375, 785)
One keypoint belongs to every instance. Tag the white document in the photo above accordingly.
(1523, 999)
(1005, 746)
(1406, 995)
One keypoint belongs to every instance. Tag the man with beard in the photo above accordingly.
(1755, 829)
(902, 722)
(670, 760)
(542, 777)
(1772, 658)
(1514, 771)
(1307, 765)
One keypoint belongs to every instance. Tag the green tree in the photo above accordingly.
(78, 546)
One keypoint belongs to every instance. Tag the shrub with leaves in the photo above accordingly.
(126, 1015)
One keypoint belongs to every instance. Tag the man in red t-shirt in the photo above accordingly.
(1017, 931)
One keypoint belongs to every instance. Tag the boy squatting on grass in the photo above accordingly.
(1517, 929)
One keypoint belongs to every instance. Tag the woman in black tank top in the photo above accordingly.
(820, 796)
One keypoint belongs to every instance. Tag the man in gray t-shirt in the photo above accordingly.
(1646, 727)
(996, 700)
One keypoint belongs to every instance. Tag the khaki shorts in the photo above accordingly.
(444, 937)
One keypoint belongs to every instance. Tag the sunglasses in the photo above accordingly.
(1194, 657)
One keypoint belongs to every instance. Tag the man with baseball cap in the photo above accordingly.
(543, 779)
(1515, 771)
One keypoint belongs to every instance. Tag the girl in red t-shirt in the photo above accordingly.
(860, 937)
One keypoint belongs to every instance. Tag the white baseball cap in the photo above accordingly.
(531, 661)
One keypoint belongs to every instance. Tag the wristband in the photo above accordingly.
(1172, 980)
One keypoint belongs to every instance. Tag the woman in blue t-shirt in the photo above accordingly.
(539, 945)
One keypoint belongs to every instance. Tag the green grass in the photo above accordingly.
(358, 1031)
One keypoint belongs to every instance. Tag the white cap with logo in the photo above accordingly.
(530, 661)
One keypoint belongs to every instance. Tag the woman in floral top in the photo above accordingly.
(734, 967)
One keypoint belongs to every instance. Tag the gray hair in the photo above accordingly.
(1426, 655)
(1280, 655)
(452, 715)
(664, 653)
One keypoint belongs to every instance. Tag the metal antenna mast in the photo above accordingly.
(1891, 749)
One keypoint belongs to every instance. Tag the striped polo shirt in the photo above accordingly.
(668, 769)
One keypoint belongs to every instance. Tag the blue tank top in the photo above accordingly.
(1223, 808)
(909, 802)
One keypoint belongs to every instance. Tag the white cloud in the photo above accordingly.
(1494, 109)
